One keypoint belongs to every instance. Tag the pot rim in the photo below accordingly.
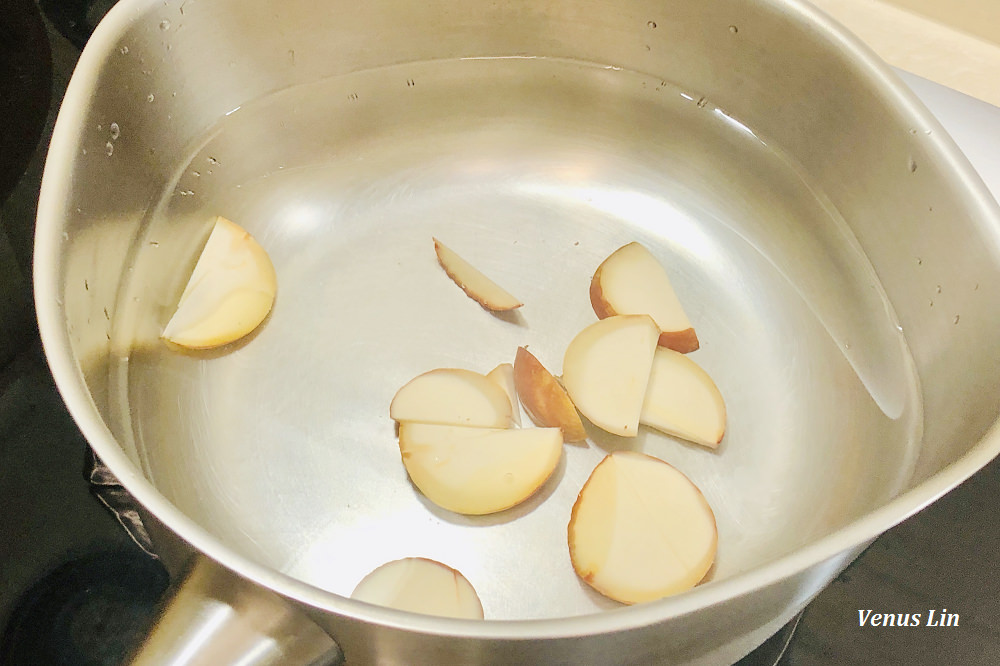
(73, 389)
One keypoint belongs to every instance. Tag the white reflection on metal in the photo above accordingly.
(503, 57)
(261, 653)
(302, 218)
(735, 123)
(641, 209)
(207, 631)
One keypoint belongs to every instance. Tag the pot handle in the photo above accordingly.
(212, 617)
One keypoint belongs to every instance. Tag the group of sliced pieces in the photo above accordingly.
(627, 368)
(639, 530)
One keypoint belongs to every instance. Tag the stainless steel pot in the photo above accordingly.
(837, 254)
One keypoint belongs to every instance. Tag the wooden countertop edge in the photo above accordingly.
(920, 45)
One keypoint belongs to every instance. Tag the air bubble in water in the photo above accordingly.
(115, 131)
(109, 149)
(164, 24)
(150, 97)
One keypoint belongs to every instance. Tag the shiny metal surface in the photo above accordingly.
(236, 624)
(285, 449)
(831, 246)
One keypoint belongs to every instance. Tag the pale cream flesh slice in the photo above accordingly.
(632, 281)
(420, 585)
(477, 286)
(230, 292)
(476, 471)
(682, 400)
(452, 396)
(606, 369)
(640, 530)
(503, 376)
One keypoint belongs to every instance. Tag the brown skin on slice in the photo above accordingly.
(681, 341)
(420, 585)
(471, 280)
(641, 280)
(640, 530)
(544, 398)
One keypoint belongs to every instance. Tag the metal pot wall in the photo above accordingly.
(838, 248)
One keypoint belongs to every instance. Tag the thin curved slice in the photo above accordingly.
(544, 398)
(640, 530)
(421, 585)
(503, 376)
(476, 471)
(477, 286)
(682, 400)
(606, 369)
(230, 292)
(452, 396)
(632, 281)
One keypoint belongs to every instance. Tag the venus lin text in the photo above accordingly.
(934, 618)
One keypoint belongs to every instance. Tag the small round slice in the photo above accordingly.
(419, 585)
(632, 281)
(544, 398)
(606, 369)
(471, 280)
(682, 400)
(475, 471)
(228, 295)
(452, 396)
(640, 530)
(503, 376)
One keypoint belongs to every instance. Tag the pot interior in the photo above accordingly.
(535, 170)
(797, 204)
